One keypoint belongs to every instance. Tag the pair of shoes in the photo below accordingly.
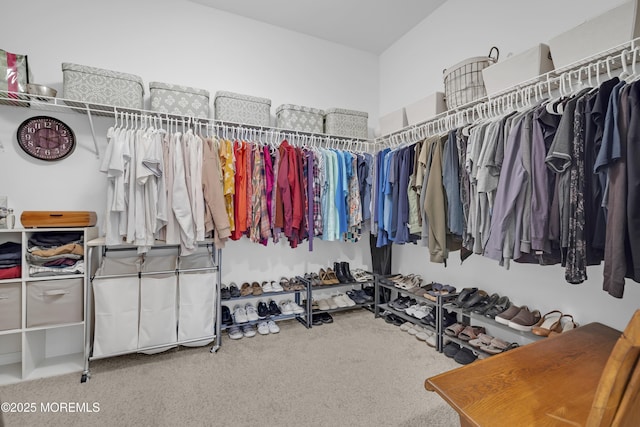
(482, 307)
(343, 300)
(235, 333)
(246, 289)
(393, 319)
(362, 276)
(471, 332)
(549, 322)
(343, 272)
(227, 320)
(313, 279)
(233, 290)
(225, 293)
(566, 324)
(499, 307)
(358, 296)
(268, 327)
(248, 331)
(239, 314)
(328, 277)
(263, 310)
(274, 310)
(290, 307)
(523, 320)
(438, 289)
(462, 355)
(497, 345)
(455, 329)
(323, 317)
(272, 286)
(463, 296)
(251, 312)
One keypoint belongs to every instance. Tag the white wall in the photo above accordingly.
(412, 68)
(173, 41)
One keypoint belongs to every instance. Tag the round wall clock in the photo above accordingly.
(46, 138)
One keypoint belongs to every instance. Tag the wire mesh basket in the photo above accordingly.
(463, 83)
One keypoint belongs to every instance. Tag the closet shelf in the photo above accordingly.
(601, 62)
(45, 103)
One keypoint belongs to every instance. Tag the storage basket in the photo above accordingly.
(351, 123)
(243, 109)
(296, 117)
(101, 89)
(179, 100)
(463, 82)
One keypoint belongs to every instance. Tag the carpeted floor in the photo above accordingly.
(357, 371)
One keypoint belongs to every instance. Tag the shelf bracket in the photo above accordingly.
(93, 131)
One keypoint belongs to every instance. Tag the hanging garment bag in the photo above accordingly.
(196, 300)
(116, 306)
(158, 303)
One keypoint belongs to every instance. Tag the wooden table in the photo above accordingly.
(544, 383)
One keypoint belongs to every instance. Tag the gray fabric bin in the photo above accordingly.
(10, 306)
(297, 117)
(101, 89)
(55, 302)
(351, 123)
(243, 109)
(179, 100)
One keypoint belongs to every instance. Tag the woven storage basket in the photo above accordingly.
(463, 82)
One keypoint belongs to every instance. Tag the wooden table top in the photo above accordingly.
(540, 384)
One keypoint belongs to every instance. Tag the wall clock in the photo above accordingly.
(46, 138)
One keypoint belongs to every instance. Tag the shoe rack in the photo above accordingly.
(380, 307)
(493, 328)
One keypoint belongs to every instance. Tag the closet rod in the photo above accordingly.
(148, 273)
(604, 61)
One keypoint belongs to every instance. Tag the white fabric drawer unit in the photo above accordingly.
(426, 108)
(196, 290)
(297, 117)
(517, 69)
(179, 100)
(350, 123)
(10, 305)
(610, 29)
(93, 86)
(243, 109)
(55, 302)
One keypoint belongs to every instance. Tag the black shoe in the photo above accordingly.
(263, 310)
(226, 316)
(224, 292)
(326, 318)
(337, 267)
(234, 291)
(316, 319)
(451, 349)
(347, 272)
(274, 310)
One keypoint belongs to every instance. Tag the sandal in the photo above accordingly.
(547, 323)
(286, 286)
(497, 346)
(454, 330)
(481, 340)
(324, 277)
(566, 325)
(471, 332)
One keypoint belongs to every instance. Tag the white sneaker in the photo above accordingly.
(296, 308)
(337, 299)
(276, 287)
(239, 315)
(249, 331)
(267, 287)
(421, 312)
(252, 313)
(273, 328)
(349, 301)
(263, 328)
(332, 303)
(286, 307)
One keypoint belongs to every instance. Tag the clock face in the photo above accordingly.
(46, 138)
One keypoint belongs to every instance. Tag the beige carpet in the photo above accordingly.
(357, 371)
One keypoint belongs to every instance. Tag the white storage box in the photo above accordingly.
(517, 69)
(297, 117)
(393, 121)
(610, 29)
(100, 88)
(179, 100)
(351, 123)
(10, 305)
(425, 108)
(243, 109)
(55, 302)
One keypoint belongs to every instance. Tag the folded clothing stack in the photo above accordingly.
(10, 260)
(55, 253)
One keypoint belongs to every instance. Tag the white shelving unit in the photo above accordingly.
(45, 349)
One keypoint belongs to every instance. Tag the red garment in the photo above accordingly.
(240, 195)
(11, 272)
(294, 184)
(284, 188)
